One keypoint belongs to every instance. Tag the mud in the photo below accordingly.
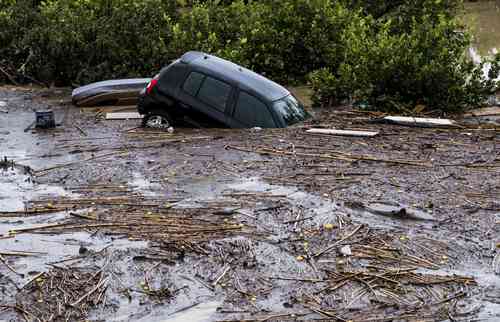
(294, 195)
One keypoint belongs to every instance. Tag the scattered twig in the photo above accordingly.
(327, 249)
(4, 261)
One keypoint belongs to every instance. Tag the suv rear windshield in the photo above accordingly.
(290, 110)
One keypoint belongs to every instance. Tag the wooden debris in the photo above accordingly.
(20, 253)
(343, 132)
(63, 294)
(4, 261)
(419, 121)
(123, 116)
(378, 278)
(80, 130)
(327, 249)
(327, 156)
(486, 111)
(217, 280)
(46, 170)
(153, 220)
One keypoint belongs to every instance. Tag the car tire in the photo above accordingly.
(156, 119)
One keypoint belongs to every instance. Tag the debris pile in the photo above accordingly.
(340, 269)
(62, 294)
(136, 218)
(6, 163)
(353, 221)
(386, 272)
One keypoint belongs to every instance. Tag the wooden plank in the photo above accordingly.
(487, 111)
(419, 121)
(343, 132)
(123, 116)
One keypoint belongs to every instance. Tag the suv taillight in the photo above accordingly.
(152, 84)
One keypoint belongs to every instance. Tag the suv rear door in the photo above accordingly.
(249, 111)
(207, 95)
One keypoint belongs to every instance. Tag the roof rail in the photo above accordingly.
(193, 55)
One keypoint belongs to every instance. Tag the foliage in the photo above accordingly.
(88, 40)
(16, 20)
(424, 65)
(405, 10)
(394, 54)
(284, 40)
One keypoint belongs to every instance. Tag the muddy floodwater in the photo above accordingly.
(484, 19)
(106, 221)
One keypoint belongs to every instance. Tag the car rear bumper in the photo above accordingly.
(144, 101)
(141, 107)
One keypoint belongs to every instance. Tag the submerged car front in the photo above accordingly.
(290, 110)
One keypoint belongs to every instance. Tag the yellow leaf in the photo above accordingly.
(328, 226)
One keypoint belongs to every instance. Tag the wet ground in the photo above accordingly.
(483, 17)
(245, 225)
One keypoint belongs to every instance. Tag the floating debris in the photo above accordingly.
(62, 294)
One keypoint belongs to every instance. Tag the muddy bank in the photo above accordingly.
(223, 225)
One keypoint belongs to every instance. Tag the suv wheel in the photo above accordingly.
(157, 120)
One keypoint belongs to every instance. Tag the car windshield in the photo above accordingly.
(290, 110)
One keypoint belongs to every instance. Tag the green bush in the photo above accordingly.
(16, 21)
(293, 38)
(425, 65)
(83, 41)
(404, 11)
(284, 40)
(393, 54)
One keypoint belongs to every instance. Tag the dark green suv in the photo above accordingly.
(200, 87)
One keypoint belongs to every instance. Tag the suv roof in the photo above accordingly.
(245, 78)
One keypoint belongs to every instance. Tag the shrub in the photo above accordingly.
(426, 65)
(293, 38)
(405, 11)
(394, 54)
(82, 41)
(16, 21)
(284, 40)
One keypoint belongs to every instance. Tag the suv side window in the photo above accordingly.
(250, 110)
(192, 83)
(215, 93)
